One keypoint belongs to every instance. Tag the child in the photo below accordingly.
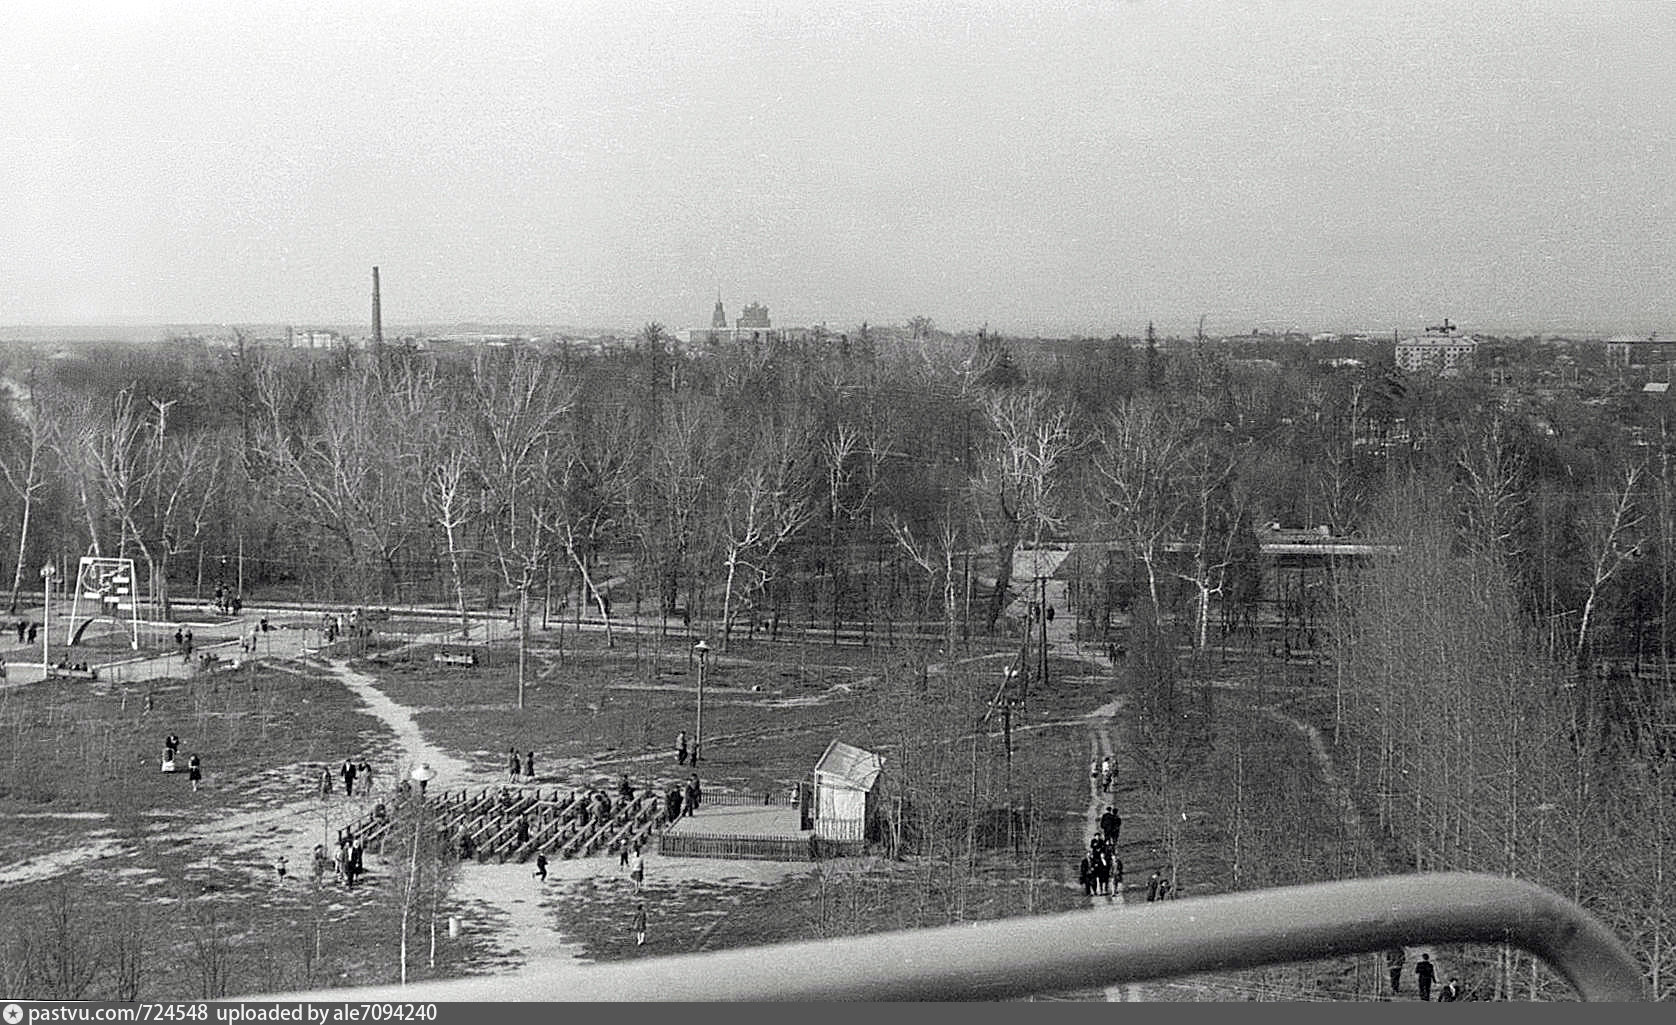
(541, 867)
(195, 772)
(640, 926)
(279, 868)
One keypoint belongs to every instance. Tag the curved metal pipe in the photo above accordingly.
(1016, 957)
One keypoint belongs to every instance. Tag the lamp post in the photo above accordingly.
(47, 573)
(698, 727)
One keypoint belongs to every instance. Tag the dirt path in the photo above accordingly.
(1353, 821)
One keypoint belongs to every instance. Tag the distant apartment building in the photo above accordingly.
(307, 338)
(1635, 351)
(1439, 351)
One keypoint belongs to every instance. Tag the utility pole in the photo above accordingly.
(377, 313)
(1042, 675)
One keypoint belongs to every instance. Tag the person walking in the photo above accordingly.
(640, 926)
(22, 628)
(1117, 875)
(347, 772)
(1152, 886)
(689, 797)
(1106, 773)
(1425, 973)
(541, 867)
(279, 868)
(1393, 963)
(195, 772)
(638, 870)
(1085, 875)
(180, 638)
(623, 857)
(325, 782)
(33, 630)
(514, 765)
(529, 766)
(364, 774)
(680, 744)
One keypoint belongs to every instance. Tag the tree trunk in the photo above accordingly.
(459, 580)
(22, 545)
(727, 599)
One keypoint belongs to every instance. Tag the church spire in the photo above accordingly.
(718, 319)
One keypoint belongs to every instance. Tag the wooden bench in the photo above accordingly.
(455, 658)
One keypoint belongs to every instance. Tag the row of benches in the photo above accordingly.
(555, 823)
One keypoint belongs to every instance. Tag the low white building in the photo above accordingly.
(844, 799)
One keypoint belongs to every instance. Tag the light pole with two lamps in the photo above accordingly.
(698, 727)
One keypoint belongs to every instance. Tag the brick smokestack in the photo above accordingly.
(377, 314)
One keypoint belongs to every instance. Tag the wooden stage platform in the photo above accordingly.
(764, 831)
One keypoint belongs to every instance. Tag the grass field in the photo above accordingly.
(90, 832)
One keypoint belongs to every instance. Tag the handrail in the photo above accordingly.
(1098, 948)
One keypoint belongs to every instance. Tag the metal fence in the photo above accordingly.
(1097, 948)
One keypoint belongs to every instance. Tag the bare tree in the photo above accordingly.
(1611, 538)
(1144, 452)
(765, 503)
(1018, 477)
(23, 463)
(519, 402)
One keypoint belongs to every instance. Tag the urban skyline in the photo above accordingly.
(1077, 168)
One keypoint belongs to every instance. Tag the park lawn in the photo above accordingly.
(75, 746)
(213, 925)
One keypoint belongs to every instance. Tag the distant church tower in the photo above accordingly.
(718, 319)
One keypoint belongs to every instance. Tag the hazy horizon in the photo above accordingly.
(1068, 168)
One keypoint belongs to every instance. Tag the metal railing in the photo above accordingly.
(1099, 948)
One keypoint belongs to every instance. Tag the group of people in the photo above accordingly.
(683, 800)
(227, 602)
(350, 772)
(1425, 976)
(1101, 869)
(183, 643)
(347, 861)
(194, 765)
(1103, 773)
(522, 770)
(247, 642)
(27, 631)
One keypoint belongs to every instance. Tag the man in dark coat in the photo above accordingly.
(1425, 973)
(1393, 962)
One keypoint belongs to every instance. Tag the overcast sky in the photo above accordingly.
(1052, 168)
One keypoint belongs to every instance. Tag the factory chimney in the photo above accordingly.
(377, 315)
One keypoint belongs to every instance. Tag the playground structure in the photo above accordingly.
(514, 824)
(108, 585)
